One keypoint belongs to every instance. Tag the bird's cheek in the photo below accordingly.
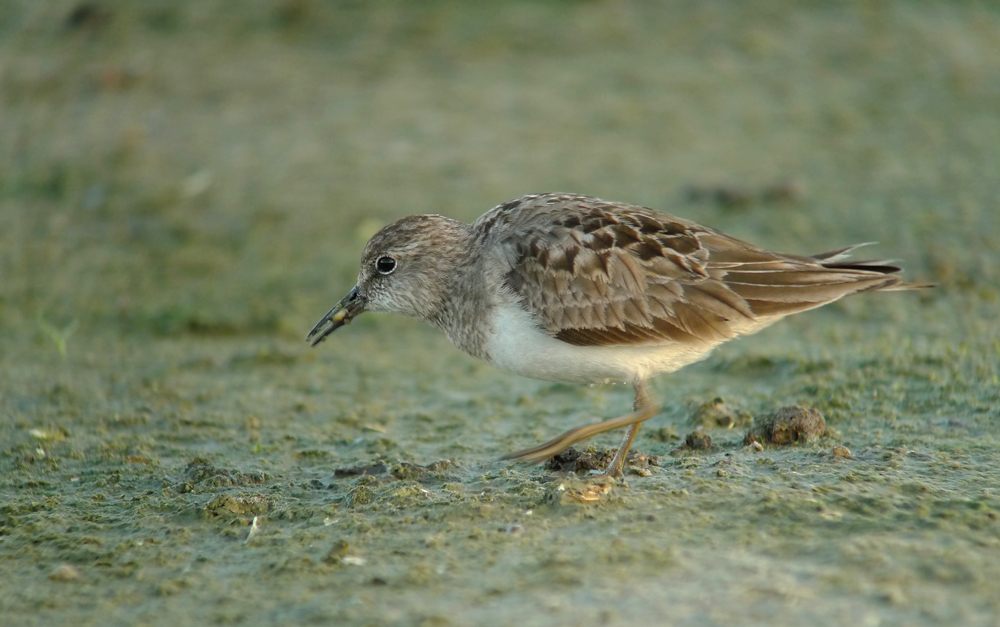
(373, 303)
(378, 301)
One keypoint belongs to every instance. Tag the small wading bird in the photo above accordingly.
(577, 289)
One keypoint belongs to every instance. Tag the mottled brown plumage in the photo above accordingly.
(598, 273)
(573, 288)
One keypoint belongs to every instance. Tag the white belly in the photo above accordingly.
(517, 345)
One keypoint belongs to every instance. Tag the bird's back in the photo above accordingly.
(598, 273)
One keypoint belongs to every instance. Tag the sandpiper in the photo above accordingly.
(577, 289)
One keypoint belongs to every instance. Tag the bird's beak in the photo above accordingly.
(344, 311)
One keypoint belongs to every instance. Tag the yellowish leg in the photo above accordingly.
(643, 410)
(614, 469)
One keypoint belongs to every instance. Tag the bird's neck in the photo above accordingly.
(464, 306)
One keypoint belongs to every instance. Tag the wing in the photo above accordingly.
(596, 273)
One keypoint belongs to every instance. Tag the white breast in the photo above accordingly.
(517, 345)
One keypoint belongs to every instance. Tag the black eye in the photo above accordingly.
(385, 265)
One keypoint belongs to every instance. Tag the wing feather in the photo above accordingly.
(595, 273)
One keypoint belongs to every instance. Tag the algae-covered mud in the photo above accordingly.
(185, 188)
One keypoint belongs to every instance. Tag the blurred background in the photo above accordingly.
(175, 167)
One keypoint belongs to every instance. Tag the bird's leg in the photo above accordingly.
(643, 405)
(643, 410)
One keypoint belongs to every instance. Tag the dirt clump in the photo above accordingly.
(582, 462)
(788, 425)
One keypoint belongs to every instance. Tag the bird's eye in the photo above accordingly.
(385, 265)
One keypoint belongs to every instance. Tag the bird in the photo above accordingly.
(576, 289)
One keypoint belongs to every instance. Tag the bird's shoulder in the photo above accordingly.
(579, 233)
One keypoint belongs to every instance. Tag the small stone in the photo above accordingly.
(64, 572)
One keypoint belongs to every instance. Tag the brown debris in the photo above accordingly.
(698, 441)
(377, 468)
(788, 425)
(572, 460)
(415, 472)
(582, 462)
(240, 505)
(201, 473)
(842, 451)
(715, 414)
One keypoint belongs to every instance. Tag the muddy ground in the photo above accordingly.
(185, 188)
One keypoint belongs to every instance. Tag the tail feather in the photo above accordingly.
(802, 283)
(840, 260)
(835, 256)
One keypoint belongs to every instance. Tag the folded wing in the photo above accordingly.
(596, 273)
